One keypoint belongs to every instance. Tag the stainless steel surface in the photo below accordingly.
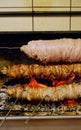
(42, 124)
(39, 117)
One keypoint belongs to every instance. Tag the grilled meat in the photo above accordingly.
(45, 93)
(50, 72)
(64, 50)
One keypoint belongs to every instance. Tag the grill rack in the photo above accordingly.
(9, 40)
(17, 107)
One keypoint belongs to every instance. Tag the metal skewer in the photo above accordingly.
(27, 120)
(10, 48)
(3, 120)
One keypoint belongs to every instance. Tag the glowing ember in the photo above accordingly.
(34, 83)
(71, 102)
(58, 83)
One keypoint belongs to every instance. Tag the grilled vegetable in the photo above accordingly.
(45, 93)
(64, 50)
(50, 72)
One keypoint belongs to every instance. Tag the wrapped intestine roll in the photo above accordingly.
(59, 50)
(45, 93)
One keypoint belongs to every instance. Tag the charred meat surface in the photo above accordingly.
(50, 72)
(45, 93)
